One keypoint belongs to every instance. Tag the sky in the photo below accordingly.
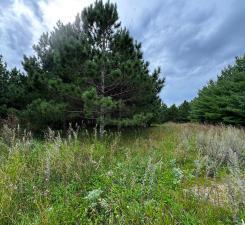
(192, 41)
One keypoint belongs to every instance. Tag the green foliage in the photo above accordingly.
(142, 119)
(12, 90)
(44, 112)
(135, 178)
(3, 87)
(223, 100)
(173, 113)
(184, 112)
(89, 71)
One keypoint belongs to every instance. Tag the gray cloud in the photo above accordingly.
(19, 24)
(35, 7)
(190, 40)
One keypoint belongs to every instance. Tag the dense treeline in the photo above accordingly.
(93, 72)
(12, 90)
(174, 113)
(89, 71)
(220, 101)
(223, 101)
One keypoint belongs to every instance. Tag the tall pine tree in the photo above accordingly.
(91, 70)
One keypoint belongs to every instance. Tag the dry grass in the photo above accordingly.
(136, 177)
(220, 159)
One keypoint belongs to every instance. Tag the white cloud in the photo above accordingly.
(63, 10)
(20, 14)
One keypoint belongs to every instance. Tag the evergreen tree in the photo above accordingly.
(183, 112)
(4, 76)
(162, 113)
(173, 113)
(12, 91)
(120, 85)
(223, 100)
(91, 70)
(16, 92)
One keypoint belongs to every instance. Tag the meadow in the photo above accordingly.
(165, 174)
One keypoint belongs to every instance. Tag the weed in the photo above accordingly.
(139, 177)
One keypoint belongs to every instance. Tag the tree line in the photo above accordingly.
(92, 71)
(89, 71)
(174, 113)
(223, 100)
(220, 101)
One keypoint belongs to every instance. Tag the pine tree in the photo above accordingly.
(183, 112)
(119, 76)
(4, 76)
(16, 92)
(12, 91)
(161, 113)
(173, 113)
(223, 100)
(91, 70)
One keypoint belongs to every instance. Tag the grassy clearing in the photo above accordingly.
(165, 174)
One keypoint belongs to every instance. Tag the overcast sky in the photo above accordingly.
(190, 40)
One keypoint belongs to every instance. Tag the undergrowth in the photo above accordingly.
(161, 175)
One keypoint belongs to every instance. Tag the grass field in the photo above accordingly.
(166, 174)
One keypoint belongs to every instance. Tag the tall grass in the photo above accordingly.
(138, 177)
(220, 155)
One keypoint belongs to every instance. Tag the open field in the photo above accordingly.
(166, 174)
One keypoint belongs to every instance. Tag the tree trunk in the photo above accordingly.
(102, 110)
(102, 125)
